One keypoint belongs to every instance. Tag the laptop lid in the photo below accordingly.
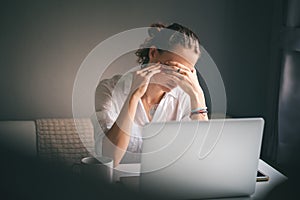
(201, 159)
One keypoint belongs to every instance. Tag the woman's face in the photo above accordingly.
(186, 57)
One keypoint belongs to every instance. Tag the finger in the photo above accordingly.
(150, 67)
(174, 74)
(175, 69)
(179, 77)
(150, 73)
(146, 72)
(185, 71)
(180, 81)
(179, 65)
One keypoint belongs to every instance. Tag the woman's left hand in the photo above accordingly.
(185, 77)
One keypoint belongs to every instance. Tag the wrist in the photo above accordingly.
(199, 113)
(197, 101)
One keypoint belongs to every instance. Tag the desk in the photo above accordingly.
(262, 188)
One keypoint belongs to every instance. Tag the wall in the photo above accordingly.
(288, 115)
(44, 43)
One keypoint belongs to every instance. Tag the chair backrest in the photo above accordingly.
(65, 140)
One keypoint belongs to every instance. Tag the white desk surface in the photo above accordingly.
(262, 188)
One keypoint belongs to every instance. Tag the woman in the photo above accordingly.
(165, 88)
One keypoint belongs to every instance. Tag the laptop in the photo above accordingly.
(201, 159)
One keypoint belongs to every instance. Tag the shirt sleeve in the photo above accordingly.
(106, 110)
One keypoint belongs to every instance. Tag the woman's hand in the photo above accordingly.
(141, 79)
(185, 77)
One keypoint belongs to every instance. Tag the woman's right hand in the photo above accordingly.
(141, 79)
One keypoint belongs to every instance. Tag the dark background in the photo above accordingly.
(43, 44)
(252, 42)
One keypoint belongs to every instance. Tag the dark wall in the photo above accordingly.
(289, 106)
(43, 44)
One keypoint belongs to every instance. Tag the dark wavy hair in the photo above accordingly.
(161, 34)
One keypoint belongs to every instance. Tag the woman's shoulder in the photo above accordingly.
(116, 83)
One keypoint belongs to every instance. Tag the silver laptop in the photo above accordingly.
(206, 159)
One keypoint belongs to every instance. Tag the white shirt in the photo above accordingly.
(110, 97)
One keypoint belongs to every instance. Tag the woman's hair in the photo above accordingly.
(167, 36)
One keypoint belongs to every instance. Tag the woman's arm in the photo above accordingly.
(117, 139)
(198, 101)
